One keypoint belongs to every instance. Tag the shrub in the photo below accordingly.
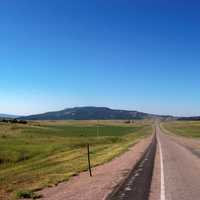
(14, 121)
(22, 122)
(27, 195)
(3, 136)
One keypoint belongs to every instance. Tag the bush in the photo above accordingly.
(4, 120)
(22, 122)
(13, 121)
(3, 136)
(27, 195)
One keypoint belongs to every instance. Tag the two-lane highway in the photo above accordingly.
(180, 170)
(178, 176)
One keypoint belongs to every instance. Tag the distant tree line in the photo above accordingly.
(13, 121)
(189, 118)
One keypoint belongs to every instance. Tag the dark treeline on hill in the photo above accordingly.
(90, 113)
(189, 118)
(13, 121)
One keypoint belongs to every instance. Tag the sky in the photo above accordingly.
(124, 54)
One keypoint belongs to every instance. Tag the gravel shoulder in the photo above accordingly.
(105, 178)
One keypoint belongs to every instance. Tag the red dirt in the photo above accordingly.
(105, 178)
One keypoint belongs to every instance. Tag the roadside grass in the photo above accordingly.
(183, 128)
(43, 154)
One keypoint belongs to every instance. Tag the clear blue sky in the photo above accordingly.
(140, 55)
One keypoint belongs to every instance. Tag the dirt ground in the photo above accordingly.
(105, 178)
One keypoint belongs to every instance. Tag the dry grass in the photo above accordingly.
(42, 154)
(183, 128)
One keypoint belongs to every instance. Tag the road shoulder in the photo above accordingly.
(155, 183)
(105, 177)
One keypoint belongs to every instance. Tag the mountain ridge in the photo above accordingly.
(2, 115)
(90, 113)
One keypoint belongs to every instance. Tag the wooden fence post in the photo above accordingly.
(88, 153)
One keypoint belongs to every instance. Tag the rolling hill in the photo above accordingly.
(90, 113)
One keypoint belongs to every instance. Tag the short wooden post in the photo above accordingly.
(88, 153)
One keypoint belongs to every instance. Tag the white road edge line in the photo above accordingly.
(162, 180)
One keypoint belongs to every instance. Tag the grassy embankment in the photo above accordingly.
(183, 128)
(42, 154)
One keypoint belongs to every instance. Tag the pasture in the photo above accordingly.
(43, 153)
(183, 128)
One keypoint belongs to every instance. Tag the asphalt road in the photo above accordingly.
(137, 184)
(179, 173)
(180, 170)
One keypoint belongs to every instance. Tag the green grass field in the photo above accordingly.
(43, 154)
(183, 128)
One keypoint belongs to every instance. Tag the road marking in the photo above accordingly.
(162, 180)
